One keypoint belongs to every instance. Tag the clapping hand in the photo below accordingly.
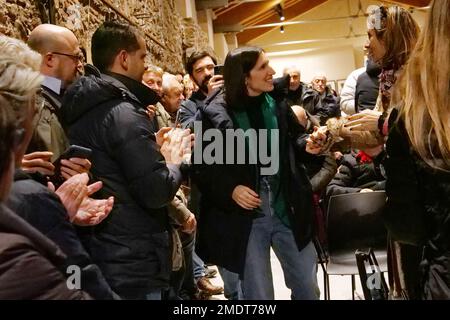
(83, 210)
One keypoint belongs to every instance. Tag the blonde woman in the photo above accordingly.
(418, 163)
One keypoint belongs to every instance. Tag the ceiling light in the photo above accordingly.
(279, 10)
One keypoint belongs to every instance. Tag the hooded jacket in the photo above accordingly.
(107, 114)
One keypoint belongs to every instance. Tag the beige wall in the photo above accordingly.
(313, 62)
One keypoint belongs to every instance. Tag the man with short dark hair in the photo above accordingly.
(105, 111)
(200, 67)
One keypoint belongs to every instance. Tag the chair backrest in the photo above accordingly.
(354, 221)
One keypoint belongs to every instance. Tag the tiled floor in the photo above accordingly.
(341, 288)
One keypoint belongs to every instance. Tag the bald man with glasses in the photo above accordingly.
(62, 63)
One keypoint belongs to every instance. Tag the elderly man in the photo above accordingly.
(296, 87)
(320, 101)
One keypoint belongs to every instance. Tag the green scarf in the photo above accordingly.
(242, 120)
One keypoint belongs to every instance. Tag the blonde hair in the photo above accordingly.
(19, 73)
(422, 93)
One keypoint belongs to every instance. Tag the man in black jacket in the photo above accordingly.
(106, 112)
(200, 67)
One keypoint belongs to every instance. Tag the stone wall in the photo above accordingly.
(18, 17)
(167, 34)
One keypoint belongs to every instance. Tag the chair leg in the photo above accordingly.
(327, 292)
(325, 286)
(353, 287)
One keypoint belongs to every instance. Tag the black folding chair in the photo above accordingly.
(372, 280)
(354, 222)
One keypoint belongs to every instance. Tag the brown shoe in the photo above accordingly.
(207, 287)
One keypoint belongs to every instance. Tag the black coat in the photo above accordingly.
(31, 266)
(418, 210)
(353, 176)
(131, 246)
(324, 106)
(223, 226)
(367, 87)
(42, 208)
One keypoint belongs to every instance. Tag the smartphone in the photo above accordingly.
(73, 151)
(218, 70)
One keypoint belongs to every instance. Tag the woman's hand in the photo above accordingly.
(366, 120)
(246, 197)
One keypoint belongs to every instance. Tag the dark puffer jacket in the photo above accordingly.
(353, 176)
(31, 266)
(418, 210)
(367, 87)
(131, 246)
(223, 226)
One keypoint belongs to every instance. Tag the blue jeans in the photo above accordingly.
(198, 265)
(299, 267)
(231, 284)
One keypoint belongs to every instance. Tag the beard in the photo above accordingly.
(203, 86)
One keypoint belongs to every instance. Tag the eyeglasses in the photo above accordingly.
(77, 57)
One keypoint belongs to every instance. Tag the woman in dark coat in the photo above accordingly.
(250, 204)
(418, 148)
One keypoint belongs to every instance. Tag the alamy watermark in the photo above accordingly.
(236, 146)
(73, 281)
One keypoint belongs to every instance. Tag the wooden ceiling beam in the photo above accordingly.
(414, 3)
(244, 11)
(294, 11)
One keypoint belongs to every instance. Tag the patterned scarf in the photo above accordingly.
(387, 77)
